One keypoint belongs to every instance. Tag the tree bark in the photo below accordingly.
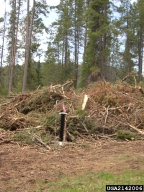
(12, 60)
(76, 49)
(140, 53)
(3, 42)
(28, 43)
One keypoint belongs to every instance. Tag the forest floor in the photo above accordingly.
(26, 168)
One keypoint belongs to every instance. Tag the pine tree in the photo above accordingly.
(28, 43)
(140, 35)
(14, 20)
(50, 74)
(35, 27)
(78, 28)
(3, 44)
(131, 25)
(97, 50)
(126, 30)
(63, 28)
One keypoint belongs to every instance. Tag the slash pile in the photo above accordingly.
(109, 111)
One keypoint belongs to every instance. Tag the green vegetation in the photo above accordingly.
(23, 137)
(30, 137)
(93, 182)
(80, 111)
(84, 43)
(126, 135)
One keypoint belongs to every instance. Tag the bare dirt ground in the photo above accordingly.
(23, 167)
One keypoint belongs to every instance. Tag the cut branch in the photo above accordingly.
(136, 129)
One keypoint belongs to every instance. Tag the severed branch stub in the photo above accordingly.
(85, 100)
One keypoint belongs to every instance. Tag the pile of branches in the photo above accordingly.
(25, 110)
(117, 107)
(101, 110)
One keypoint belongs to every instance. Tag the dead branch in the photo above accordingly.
(39, 127)
(80, 135)
(106, 114)
(93, 112)
(107, 136)
(6, 141)
(40, 141)
(125, 78)
(71, 136)
(141, 90)
(85, 127)
(74, 117)
(68, 83)
(136, 129)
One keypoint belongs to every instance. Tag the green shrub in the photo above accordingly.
(126, 135)
(23, 137)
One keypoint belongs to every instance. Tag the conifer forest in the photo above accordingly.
(89, 40)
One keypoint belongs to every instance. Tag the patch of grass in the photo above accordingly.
(125, 156)
(141, 159)
(27, 137)
(80, 112)
(46, 138)
(126, 135)
(23, 136)
(95, 182)
(129, 157)
(11, 191)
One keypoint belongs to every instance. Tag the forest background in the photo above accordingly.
(89, 40)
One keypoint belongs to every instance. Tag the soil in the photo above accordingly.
(22, 167)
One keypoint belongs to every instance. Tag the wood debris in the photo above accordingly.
(101, 110)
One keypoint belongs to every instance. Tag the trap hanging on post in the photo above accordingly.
(62, 125)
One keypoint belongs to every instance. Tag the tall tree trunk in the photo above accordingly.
(2, 49)
(76, 50)
(140, 53)
(26, 51)
(66, 51)
(12, 61)
(87, 3)
(104, 45)
(31, 24)
(62, 59)
(16, 30)
(28, 43)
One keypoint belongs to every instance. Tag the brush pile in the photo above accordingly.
(101, 110)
